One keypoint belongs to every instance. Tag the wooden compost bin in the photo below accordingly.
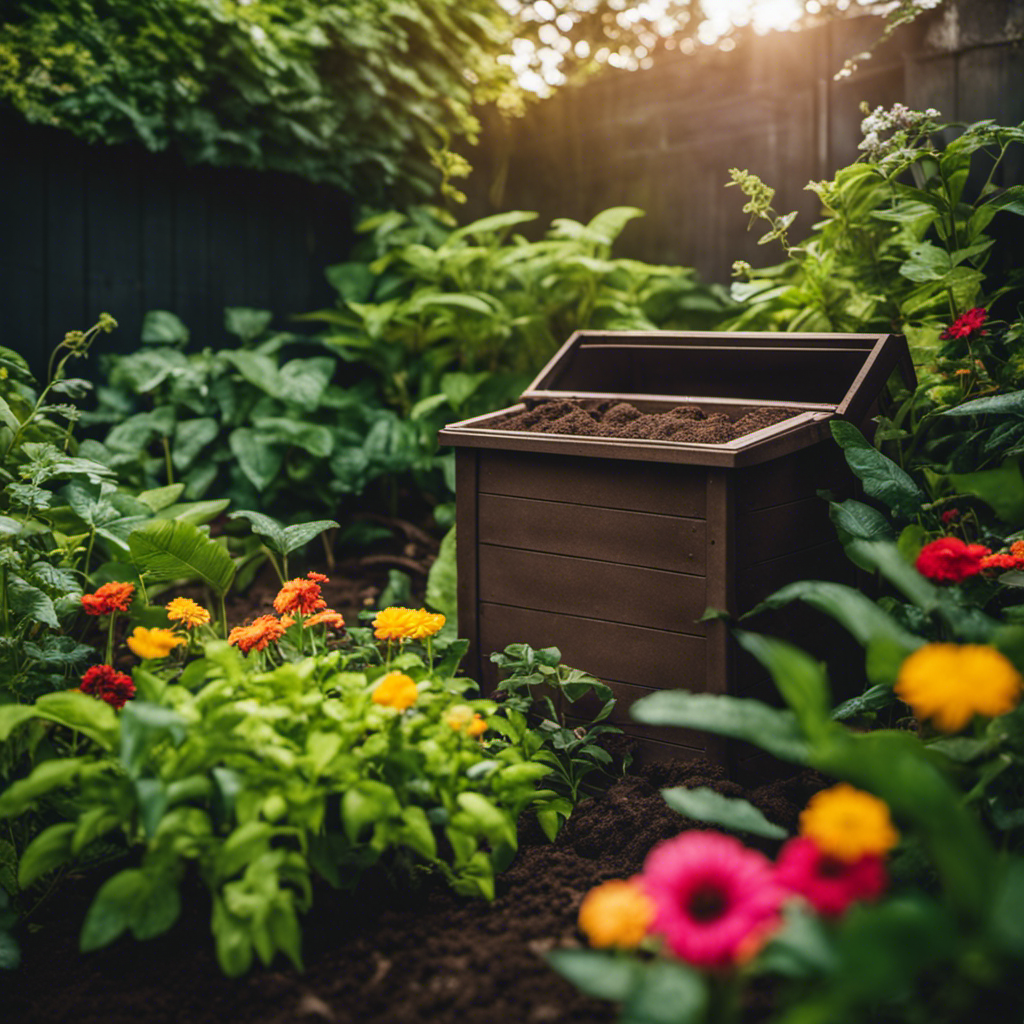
(611, 549)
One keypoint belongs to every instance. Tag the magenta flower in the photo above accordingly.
(714, 898)
(830, 885)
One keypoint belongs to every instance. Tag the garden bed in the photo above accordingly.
(383, 955)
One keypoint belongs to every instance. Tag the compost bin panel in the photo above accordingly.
(614, 535)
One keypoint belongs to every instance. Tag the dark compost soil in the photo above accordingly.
(621, 419)
(383, 954)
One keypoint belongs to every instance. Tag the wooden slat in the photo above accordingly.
(466, 493)
(797, 475)
(609, 650)
(825, 562)
(599, 590)
(614, 535)
(721, 569)
(670, 490)
(769, 533)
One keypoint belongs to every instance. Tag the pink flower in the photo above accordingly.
(830, 885)
(712, 896)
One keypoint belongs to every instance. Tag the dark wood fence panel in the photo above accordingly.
(85, 229)
(664, 139)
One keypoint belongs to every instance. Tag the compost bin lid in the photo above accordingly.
(840, 373)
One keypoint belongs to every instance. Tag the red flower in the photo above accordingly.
(830, 885)
(966, 324)
(950, 560)
(950, 515)
(111, 597)
(107, 684)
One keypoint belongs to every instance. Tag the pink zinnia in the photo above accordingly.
(712, 895)
(830, 885)
(966, 324)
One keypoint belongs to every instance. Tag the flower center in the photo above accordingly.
(831, 867)
(706, 903)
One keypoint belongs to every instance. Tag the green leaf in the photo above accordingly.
(131, 899)
(264, 526)
(300, 534)
(1002, 489)
(860, 521)
(317, 440)
(190, 438)
(703, 804)
(160, 497)
(353, 281)
(31, 603)
(766, 727)
(198, 513)
(881, 477)
(483, 818)
(49, 849)
(46, 776)
(799, 678)
(366, 803)
(247, 324)
(84, 714)
(602, 975)
(668, 993)
(1008, 908)
(159, 327)
(11, 716)
(170, 550)
(258, 459)
(442, 580)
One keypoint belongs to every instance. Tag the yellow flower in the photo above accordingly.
(951, 683)
(187, 612)
(848, 823)
(396, 624)
(153, 643)
(427, 624)
(616, 914)
(462, 718)
(396, 690)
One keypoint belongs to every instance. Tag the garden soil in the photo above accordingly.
(385, 954)
(621, 419)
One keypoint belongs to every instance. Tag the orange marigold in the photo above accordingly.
(616, 914)
(329, 618)
(111, 597)
(257, 634)
(317, 577)
(299, 595)
(187, 612)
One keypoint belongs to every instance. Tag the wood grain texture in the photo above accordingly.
(466, 496)
(613, 535)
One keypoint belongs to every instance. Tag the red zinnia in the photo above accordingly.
(950, 560)
(966, 324)
(829, 884)
(111, 597)
(107, 684)
(950, 514)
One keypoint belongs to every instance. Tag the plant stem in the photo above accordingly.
(88, 553)
(110, 638)
(223, 615)
(167, 460)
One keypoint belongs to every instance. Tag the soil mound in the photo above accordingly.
(621, 419)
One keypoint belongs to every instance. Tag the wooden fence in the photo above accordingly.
(88, 228)
(664, 139)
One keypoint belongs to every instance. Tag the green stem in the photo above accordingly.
(3, 601)
(88, 553)
(223, 616)
(167, 460)
(430, 656)
(110, 638)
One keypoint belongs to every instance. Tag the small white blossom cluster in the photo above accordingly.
(906, 127)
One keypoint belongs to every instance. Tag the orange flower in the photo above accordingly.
(396, 690)
(427, 624)
(187, 612)
(317, 577)
(462, 718)
(153, 643)
(329, 618)
(257, 634)
(616, 914)
(477, 727)
(111, 597)
(299, 595)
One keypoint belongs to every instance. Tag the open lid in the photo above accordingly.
(840, 373)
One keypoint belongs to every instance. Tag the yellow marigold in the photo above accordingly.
(616, 914)
(427, 624)
(848, 823)
(396, 624)
(951, 683)
(477, 727)
(396, 690)
(153, 643)
(187, 612)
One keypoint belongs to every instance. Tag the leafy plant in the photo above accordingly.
(269, 84)
(573, 753)
(248, 423)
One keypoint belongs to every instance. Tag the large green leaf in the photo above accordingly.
(1001, 488)
(259, 459)
(160, 327)
(47, 851)
(703, 804)
(768, 728)
(881, 477)
(298, 535)
(84, 714)
(131, 899)
(190, 438)
(1012, 403)
(601, 975)
(669, 993)
(264, 526)
(171, 550)
(441, 580)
